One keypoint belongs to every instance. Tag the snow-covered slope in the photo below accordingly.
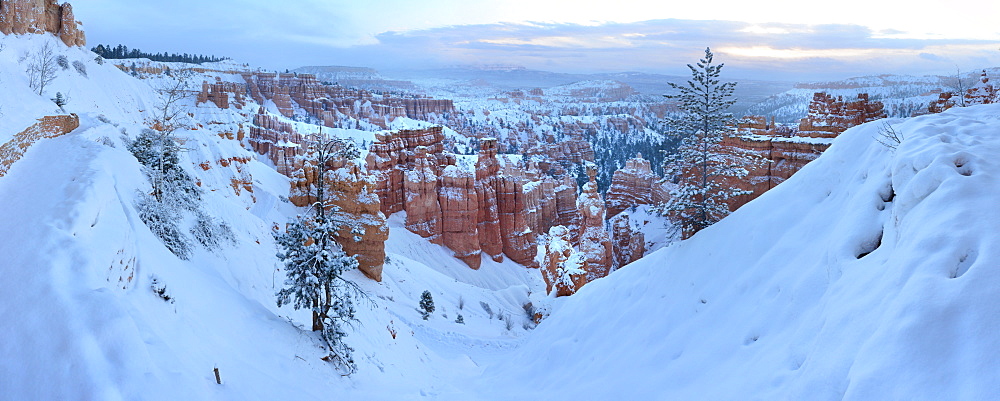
(869, 275)
(84, 308)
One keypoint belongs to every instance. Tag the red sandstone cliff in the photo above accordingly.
(40, 16)
(829, 116)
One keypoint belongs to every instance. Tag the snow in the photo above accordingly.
(868, 275)
(774, 303)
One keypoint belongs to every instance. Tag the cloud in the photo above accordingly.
(774, 51)
(932, 57)
(319, 32)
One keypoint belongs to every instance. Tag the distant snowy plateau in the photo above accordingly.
(871, 274)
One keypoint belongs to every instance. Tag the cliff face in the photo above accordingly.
(21, 17)
(788, 149)
(829, 116)
(459, 201)
(629, 243)
(633, 185)
(334, 105)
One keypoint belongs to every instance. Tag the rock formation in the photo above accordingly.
(787, 149)
(487, 177)
(983, 92)
(633, 185)
(351, 190)
(562, 267)
(629, 243)
(219, 93)
(829, 116)
(353, 196)
(21, 17)
(420, 184)
(459, 201)
(333, 105)
(594, 241)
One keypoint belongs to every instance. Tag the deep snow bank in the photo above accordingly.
(871, 274)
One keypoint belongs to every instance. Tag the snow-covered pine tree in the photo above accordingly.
(703, 169)
(426, 305)
(315, 264)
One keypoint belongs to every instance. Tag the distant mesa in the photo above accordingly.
(20, 17)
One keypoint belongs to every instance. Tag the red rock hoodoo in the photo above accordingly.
(634, 185)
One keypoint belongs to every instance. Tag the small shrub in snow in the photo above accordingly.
(162, 221)
(426, 304)
(507, 321)
(460, 319)
(103, 118)
(160, 290)
(80, 67)
(461, 302)
(104, 140)
(889, 137)
(486, 307)
(208, 231)
(62, 61)
(99, 60)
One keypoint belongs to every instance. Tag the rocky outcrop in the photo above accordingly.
(46, 127)
(567, 268)
(21, 17)
(354, 199)
(629, 243)
(337, 106)
(633, 185)
(487, 180)
(220, 93)
(563, 267)
(983, 92)
(787, 149)
(278, 141)
(518, 239)
(459, 201)
(594, 241)
(420, 184)
(829, 116)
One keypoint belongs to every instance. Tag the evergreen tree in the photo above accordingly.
(315, 264)
(61, 101)
(701, 166)
(426, 305)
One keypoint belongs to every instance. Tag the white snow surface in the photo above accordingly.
(771, 303)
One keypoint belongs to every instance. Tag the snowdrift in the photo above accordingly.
(871, 274)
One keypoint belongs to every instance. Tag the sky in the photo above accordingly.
(770, 39)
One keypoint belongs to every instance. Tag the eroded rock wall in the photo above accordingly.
(21, 17)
